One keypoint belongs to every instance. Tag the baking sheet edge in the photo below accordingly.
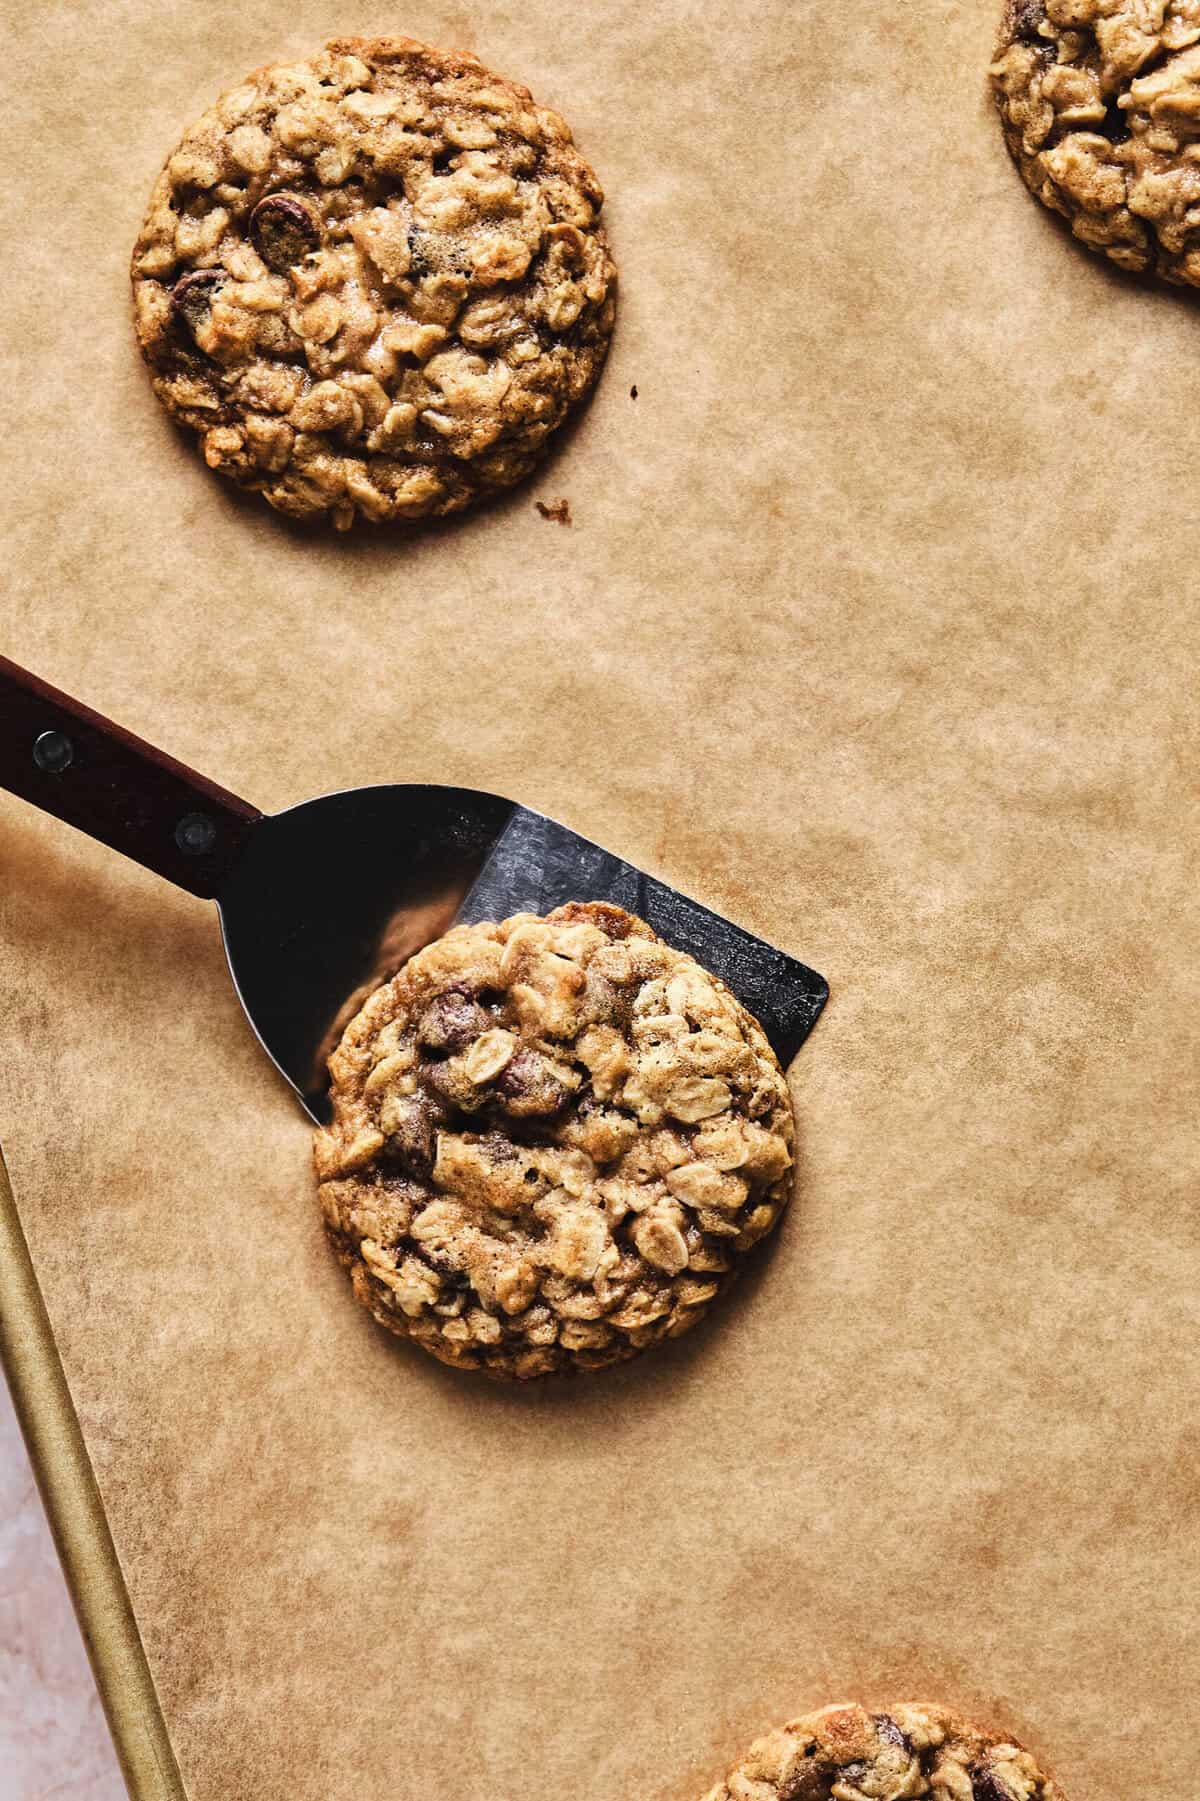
(77, 1521)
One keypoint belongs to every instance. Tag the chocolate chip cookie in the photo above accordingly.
(1100, 101)
(553, 1141)
(911, 1750)
(374, 282)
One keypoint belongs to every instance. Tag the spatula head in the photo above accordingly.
(331, 897)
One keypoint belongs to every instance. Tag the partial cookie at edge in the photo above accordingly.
(1101, 113)
(910, 1750)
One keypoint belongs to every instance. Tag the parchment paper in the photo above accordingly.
(875, 629)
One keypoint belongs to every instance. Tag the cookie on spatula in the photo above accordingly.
(553, 1142)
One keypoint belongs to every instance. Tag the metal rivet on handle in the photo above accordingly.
(53, 752)
(195, 834)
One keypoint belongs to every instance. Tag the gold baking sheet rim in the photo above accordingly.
(75, 1511)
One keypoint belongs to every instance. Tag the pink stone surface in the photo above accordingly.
(54, 1744)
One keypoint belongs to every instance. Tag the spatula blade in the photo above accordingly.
(537, 864)
(332, 897)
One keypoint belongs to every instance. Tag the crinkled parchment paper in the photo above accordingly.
(875, 628)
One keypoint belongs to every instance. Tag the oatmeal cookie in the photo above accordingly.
(911, 1750)
(374, 282)
(552, 1142)
(1100, 101)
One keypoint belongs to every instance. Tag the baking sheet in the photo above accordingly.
(873, 629)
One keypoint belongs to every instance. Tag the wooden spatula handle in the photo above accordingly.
(84, 769)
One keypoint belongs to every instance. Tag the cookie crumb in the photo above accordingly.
(559, 511)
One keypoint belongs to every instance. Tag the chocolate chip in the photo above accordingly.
(527, 1088)
(1115, 124)
(810, 1782)
(494, 1146)
(1026, 19)
(452, 1020)
(449, 1084)
(411, 1126)
(451, 1276)
(284, 231)
(888, 1729)
(987, 1786)
(192, 297)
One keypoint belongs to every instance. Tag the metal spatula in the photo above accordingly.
(320, 903)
